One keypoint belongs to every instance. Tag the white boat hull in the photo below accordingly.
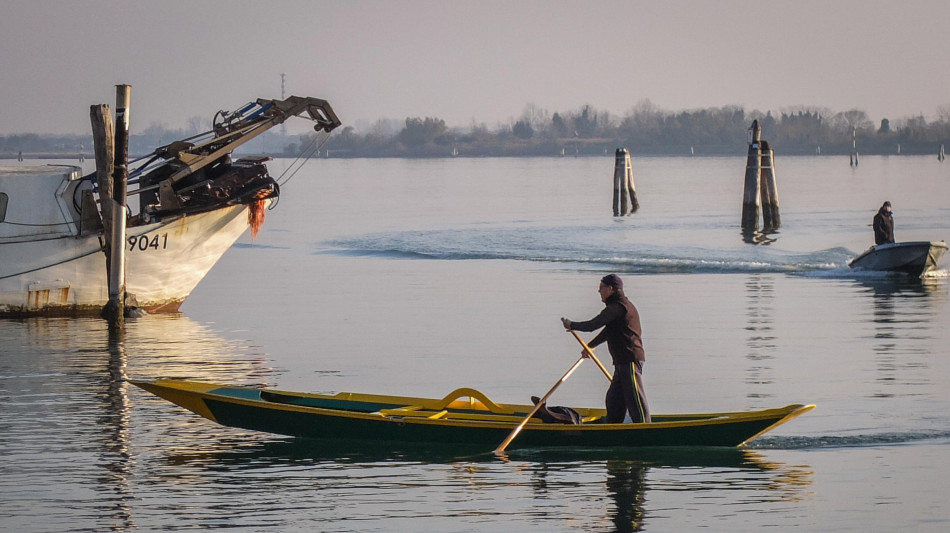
(164, 262)
(912, 258)
(193, 202)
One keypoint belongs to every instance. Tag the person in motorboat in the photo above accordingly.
(883, 225)
(622, 332)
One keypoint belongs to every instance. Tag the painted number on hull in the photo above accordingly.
(143, 243)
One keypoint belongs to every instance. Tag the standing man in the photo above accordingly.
(621, 323)
(883, 225)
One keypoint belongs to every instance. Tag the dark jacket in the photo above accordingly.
(883, 227)
(621, 323)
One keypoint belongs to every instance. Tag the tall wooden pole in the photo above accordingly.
(628, 183)
(115, 309)
(619, 203)
(771, 220)
(854, 147)
(750, 196)
(103, 141)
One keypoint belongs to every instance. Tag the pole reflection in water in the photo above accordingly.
(114, 420)
(760, 290)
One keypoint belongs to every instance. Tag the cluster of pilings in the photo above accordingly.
(760, 188)
(625, 193)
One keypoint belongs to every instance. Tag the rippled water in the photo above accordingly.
(418, 277)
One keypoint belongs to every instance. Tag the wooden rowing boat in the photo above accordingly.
(464, 416)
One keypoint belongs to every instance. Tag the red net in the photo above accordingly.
(255, 216)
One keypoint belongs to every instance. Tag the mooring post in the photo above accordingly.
(628, 183)
(114, 311)
(103, 145)
(625, 192)
(942, 154)
(854, 147)
(771, 220)
(750, 197)
(619, 203)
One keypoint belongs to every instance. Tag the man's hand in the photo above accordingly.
(566, 323)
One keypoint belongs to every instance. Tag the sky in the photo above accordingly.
(467, 62)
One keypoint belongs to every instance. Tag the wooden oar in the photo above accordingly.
(590, 353)
(500, 450)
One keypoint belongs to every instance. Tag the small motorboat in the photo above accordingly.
(463, 417)
(913, 258)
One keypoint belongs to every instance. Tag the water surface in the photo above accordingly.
(419, 277)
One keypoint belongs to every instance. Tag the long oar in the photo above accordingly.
(590, 353)
(514, 433)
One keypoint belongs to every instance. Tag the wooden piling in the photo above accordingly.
(114, 311)
(619, 203)
(854, 148)
(751, 195)
(771, 220)
(103, 145)
(625, 192)
(942, 154)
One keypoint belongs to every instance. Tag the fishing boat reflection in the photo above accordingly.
(74, 424)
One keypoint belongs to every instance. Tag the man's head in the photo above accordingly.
(887, 206)
(609, 285)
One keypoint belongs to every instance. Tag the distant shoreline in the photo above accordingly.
(75, 157)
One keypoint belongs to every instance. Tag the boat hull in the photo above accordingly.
(66, 275)
(912, 258)
(451, 420)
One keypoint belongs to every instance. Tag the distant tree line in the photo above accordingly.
(648, 130)
(644, 130)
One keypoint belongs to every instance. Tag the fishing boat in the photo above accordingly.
(194, 203)
(913, 258)
(463, 417)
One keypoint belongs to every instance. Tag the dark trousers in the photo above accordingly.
(626, 394)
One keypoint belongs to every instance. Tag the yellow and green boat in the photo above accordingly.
(463, 417)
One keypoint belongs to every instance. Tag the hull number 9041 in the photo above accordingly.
(144, 243)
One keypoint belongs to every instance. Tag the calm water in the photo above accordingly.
(418, 277)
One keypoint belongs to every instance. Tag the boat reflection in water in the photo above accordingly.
(72, 426)
(616, 487)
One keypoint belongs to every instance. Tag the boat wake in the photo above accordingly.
(850, 441)
(588, 250)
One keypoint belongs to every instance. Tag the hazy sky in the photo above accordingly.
(465, 61)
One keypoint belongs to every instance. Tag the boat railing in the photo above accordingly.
(475, 400)
(462, 404)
